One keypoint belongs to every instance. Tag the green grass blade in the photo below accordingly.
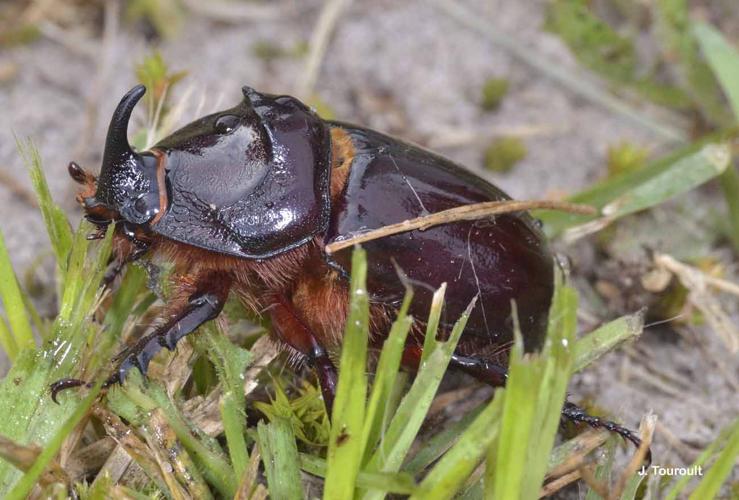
(57, 225)
(679, 45)
(398, 483)
(606, 338)
(729, 181)
(534, 395)
(386, 377)
(679, 485)
(721, 468)
(12, 300)
(7, 341)
(723, 60)
(23, 488)
(124, 300)
(632, 487)
(682, 176)
(211, 461)
(604, 468)
(234, 424)
(281, 461)
(345, 439)
(441, 442)
(413, 408)
(667, 168)
(450, 473)
(230, 362)
(432, 325)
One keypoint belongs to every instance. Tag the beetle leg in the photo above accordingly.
(496, 376)
(204, 304)
(483, 370)
(115, 268)
(577, 415)
(292, 330)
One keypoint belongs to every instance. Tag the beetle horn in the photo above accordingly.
(117, 148)
(122, 168)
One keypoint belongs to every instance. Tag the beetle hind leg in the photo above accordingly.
(577, 415)
(496, 375)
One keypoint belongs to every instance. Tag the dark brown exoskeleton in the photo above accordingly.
(246, 200)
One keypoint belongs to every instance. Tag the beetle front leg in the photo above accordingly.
(201, 307)
(130, 248)
(203, 302)
(292, 330)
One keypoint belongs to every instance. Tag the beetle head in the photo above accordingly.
(127, 187)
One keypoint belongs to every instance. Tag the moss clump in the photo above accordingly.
(267, 51)
(503, 154)
(19, 35)
(493, 92)
(625, 157)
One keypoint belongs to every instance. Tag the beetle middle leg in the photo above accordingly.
(292, 329)
(201, 300)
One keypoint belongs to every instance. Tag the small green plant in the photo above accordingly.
(493, 92)
(503, 154)
(625, 157)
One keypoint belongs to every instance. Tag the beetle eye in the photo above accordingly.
(226, 124)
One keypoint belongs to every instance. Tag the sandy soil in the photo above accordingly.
(399, 66)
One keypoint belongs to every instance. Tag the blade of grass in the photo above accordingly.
(605, 338)
(534, 395)
(12, 300)
(214, 465)
(717, 445)
(441, 442)
(346, 436)
(413, 408)
(604, 468)
(721, 468)
(23, 488)
(724, 61)
(386, 376)
(682, 176)
(432, 326)
(451, 472)
(398, 483)
(604, 192)
(680, 47)
(230, 362)
(57, 225)
(7, 341)
(280, 458)
(25, 389)
(234, 425)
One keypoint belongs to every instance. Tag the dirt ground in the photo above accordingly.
(403, 67)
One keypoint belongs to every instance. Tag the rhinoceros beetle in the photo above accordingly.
(246, 201)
